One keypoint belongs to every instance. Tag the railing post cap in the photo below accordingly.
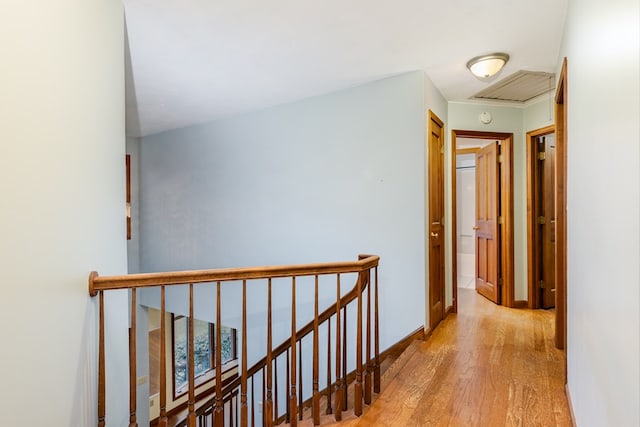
(92, 277)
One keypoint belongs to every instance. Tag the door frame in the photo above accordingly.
(506, 211)
(532, 196)
(561, 105)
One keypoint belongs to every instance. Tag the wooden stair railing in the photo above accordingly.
(367, 369)
(372, 365)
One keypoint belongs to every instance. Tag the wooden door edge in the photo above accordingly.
(454, 226)
(561, 108)
(508, 242)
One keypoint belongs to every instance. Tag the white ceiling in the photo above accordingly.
(193, 61)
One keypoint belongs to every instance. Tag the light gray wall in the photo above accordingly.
(322, 179)
(603, 348)
(62, 208)
(465, 116)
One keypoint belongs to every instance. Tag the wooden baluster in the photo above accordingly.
(345, 398)
(329, 408)
(276, 413)
(253, 403)
(231, 411)
(132, 363)
(376, 371)
(338, 415)
(263, 393)
(218, 418)
(162, 421)
(191, 347)
(316, 360)
(268, 404)
(102, 386)
(357, 389)
(299, 385)
(288, 388)
(244, 421)
(293, 395)
(368, 368)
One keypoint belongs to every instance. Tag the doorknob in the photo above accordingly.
(434, 234)
(476, 228)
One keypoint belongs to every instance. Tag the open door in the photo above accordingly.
(436, 215)
(487, 217)
(547, 220)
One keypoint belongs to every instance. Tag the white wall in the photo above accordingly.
(601, 44)
(322, 179)
(464, 116)
(62, 209)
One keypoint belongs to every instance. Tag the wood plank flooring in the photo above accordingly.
(486, 366)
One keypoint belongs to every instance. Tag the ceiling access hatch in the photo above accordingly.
(519, 87)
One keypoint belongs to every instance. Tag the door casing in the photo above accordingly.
(506, 211)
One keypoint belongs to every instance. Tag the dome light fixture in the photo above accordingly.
(487, 65)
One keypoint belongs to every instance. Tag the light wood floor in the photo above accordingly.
(486, 366)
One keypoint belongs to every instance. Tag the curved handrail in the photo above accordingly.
(363, 266)
(143, 280)
(369, 261)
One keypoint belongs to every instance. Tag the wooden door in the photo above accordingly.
(487, 217)
(547, 220)
(436, 216)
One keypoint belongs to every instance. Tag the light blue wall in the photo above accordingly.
(435, 102)
(539, 114)
(601, 43)
(322, 179)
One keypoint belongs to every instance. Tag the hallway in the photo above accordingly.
(486, 366)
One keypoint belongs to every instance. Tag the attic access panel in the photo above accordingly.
(519, 87)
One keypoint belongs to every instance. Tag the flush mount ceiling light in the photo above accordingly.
(487, 65)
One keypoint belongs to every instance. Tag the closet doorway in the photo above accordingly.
(541, 217)
(466, 210)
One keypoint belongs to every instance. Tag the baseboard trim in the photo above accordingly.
(448, 311)
(520, 304)
(569, 403)
(398, 348)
